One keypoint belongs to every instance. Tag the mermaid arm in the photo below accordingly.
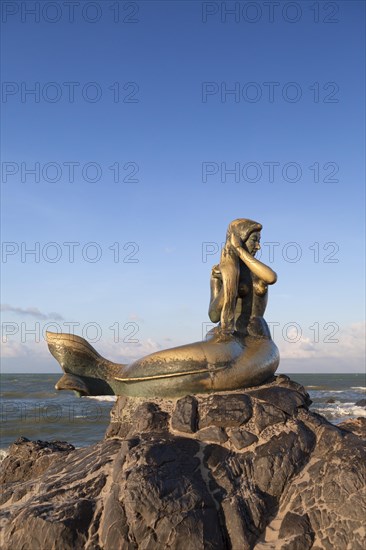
(216, 299)
(259, 269)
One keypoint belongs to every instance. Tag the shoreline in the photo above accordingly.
(32, 408)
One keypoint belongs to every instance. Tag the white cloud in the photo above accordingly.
(15, 349)
(31, 311)
(348, 342)
(127, 352)
(135, 317)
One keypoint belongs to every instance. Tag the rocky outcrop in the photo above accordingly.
(28, 459)
(232, 470)
(356, 426)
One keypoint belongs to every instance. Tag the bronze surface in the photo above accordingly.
(238, 353)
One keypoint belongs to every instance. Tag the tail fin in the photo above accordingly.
(86, 372)
(72, 351)
(71, 382)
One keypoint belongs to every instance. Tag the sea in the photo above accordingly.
(31, 407)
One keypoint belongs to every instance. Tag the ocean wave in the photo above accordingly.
(342, 410)
(322, 394)
(103, 397)
(361, 388)
(328, 391)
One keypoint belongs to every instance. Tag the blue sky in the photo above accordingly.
(148, 94)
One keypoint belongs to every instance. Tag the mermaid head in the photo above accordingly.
(242, 228)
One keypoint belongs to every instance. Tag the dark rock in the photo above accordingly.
(232, 409)
(148, 417)
(361, 403)
(297, 531)
(212, 433)
(278, 460)
(330, 400)
(328, 437)
(241, 438)
(120, 423)
(142, 417)
(284, 399)
(184, 417)
(266, 415)
(356, 426)
(284, 381)
(161, 498)
(60, 504)
(28, 459)
(156, 482)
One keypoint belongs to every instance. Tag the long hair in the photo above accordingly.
(242, 224)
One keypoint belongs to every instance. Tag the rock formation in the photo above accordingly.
(234, 470)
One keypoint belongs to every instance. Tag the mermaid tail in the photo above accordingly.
(213, 365)
(86, 371)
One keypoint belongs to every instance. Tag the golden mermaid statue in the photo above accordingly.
(237, 353)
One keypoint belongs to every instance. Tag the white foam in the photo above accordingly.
(344, 409)
(103, 397)
(322, 394)
(3, 454)
(362, 388)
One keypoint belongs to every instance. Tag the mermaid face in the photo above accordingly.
(252, 243)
